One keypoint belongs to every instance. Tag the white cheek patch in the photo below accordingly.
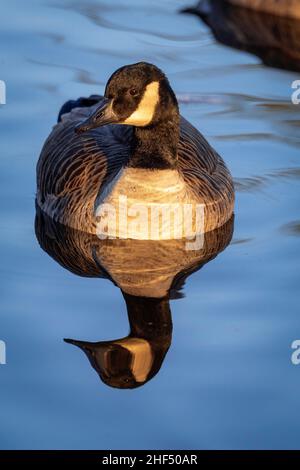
(143, 115)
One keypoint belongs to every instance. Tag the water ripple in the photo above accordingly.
(94, 12)
(257, 183)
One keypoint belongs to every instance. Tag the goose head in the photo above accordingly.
(138, 95)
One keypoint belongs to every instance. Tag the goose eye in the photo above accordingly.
(133, 92)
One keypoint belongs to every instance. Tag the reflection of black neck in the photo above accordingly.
(149, 318)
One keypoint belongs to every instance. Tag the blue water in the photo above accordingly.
(227, 380)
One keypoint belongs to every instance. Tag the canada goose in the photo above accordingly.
(273, 38)
(147, 287)
(290, 8)
(132, 142)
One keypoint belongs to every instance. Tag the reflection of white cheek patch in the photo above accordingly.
(141, 357)
(144, 113)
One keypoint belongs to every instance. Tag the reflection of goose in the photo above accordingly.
(275, 39)
(155, 157)
(148, 273)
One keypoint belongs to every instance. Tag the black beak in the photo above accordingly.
(102, 116)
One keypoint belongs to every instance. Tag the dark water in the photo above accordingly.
(227, 380)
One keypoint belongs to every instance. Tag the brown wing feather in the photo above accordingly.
(206, 175)
(72, 168)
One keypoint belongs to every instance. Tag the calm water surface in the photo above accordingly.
(227, 380)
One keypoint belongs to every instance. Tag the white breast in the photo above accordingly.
(146, 205)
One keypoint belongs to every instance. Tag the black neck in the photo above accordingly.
(155, 146)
